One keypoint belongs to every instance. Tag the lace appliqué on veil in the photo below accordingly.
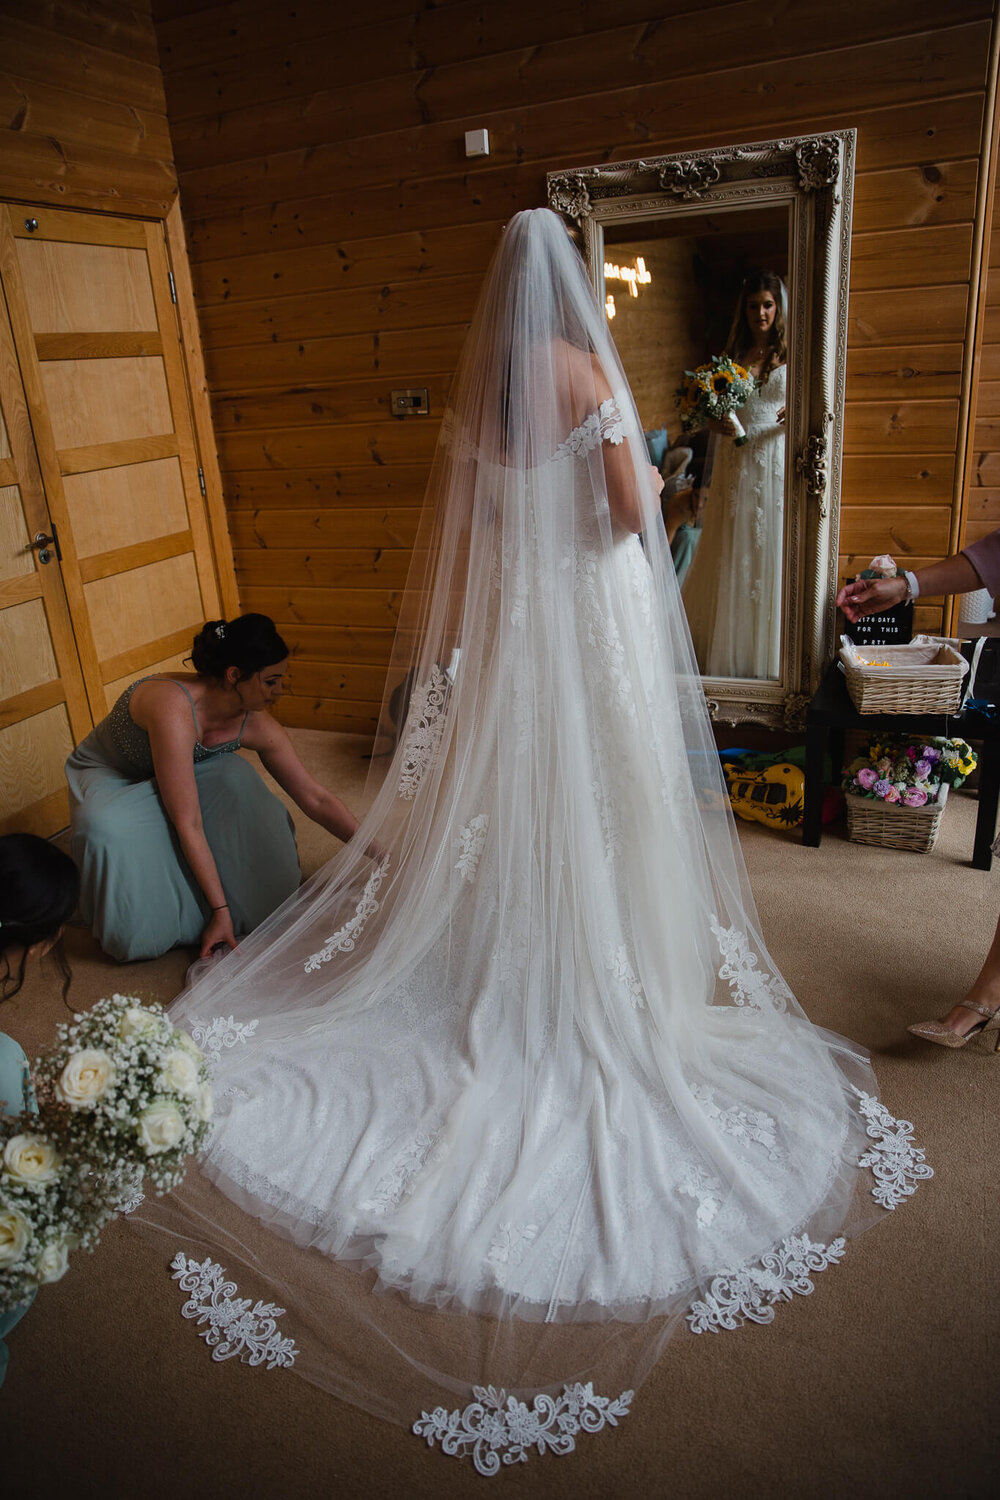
(234, 1327)
(497, 1427)
(346, 937)
(896, 1163)
(470, 842)
(739, 968)
(750, 1295)
(603, 425)
(707, 1192)
(221, 1031)
(424, 728)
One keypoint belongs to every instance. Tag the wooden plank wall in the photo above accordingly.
(83, 121)
(338, 238)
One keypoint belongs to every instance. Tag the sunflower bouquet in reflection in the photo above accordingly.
(122, 1097)
(714, 393)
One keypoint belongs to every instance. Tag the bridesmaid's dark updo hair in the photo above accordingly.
(249, 643)
(39, 889)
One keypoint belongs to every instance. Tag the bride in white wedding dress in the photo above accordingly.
(732, 593)
(519, 1052)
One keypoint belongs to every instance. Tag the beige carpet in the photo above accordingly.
(883, 1383)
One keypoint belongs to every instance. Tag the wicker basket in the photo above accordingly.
(924, 677)
(892, 825)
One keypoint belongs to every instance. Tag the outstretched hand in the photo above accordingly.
(218, 934)
(870, 596)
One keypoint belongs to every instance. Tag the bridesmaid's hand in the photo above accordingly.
(657, 479)
(218, 934)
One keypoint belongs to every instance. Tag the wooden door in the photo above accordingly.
(98, 349)
(43, 703)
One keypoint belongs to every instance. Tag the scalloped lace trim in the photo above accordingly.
(345, 938)
(234, 1327)
(497, 1428)
(750, 1294)
(896, 1163)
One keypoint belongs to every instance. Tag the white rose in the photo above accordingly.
(86, 1078)
(181, 1039)
(53, 1263)
(138, 1022)
(31, 1159)
(180, 1073)
(204, 1103)
(15, 1231)
(161, 1126)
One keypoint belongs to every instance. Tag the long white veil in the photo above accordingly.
(513, 1081)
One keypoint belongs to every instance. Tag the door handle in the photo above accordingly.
(47, 546)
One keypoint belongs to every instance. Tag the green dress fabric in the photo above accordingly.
(137, 893)
(15, 1095)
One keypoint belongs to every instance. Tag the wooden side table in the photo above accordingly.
(831, 712)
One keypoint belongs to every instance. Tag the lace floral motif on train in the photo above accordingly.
(739, 968)
(221, 1031)
(603, 425)
(896, 1163)
(750, 1295)
(390, 1188)
(748, 1126)
(498, 1428)
(234, 1328)
(624, 975)
(604, 635)
(470, 842)
(424, 728)
(706, 1190)
(509, 1244)
(345, 938)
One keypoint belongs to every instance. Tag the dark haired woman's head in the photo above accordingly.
(760, 320)
(249, 643)
(39, 889)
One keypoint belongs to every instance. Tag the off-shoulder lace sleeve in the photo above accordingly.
(603, 425)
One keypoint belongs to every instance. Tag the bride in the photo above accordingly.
(527, 1061)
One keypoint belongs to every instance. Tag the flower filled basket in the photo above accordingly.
(896, 793)
(924, 677)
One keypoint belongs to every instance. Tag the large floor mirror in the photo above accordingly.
(742, 251)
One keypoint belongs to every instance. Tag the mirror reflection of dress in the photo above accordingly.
(732, 594)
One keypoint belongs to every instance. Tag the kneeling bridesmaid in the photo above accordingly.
(177, 839)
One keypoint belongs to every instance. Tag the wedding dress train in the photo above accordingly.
(519, 1053)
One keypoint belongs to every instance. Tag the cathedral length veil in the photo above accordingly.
(512, 1082)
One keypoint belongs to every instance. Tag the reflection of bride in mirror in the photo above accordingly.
(732, 594)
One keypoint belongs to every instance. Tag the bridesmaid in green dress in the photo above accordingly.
(177, 839)
(39, 887)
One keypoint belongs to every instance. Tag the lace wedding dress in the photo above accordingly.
(732, 593)
(519, 1054)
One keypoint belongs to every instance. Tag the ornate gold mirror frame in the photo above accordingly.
(812, 178)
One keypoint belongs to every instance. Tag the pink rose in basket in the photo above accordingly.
(867, 778)
(914, 796)
(884, 766)
(892, 795)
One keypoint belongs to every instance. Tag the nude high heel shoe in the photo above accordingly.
(933, 1031)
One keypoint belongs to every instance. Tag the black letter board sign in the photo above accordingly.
(893, 627)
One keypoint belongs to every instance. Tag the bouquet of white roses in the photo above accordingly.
(123, 1095)
(714, 392)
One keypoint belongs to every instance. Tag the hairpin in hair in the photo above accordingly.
(220, 630)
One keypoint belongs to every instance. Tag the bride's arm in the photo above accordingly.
(632, 496)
